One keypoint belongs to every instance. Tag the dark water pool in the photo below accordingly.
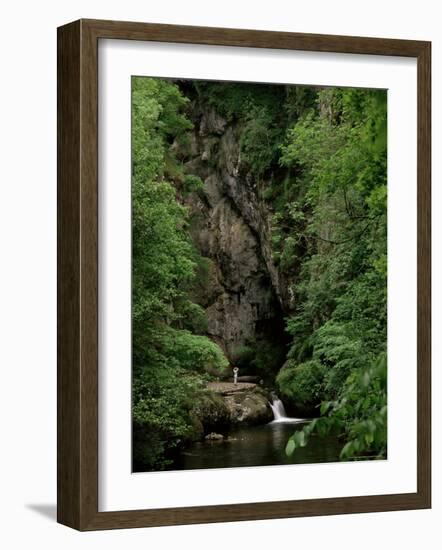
(257, 446)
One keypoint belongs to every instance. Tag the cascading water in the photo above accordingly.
(278, 409)
(279, 413)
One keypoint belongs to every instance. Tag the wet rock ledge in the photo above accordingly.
(227, 405)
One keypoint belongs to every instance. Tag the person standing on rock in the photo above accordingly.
(235, 375)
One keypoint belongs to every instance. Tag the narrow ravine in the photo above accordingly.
(259, 269)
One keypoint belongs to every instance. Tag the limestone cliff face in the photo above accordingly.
(244, 296)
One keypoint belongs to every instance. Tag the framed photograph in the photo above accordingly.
(243, 274)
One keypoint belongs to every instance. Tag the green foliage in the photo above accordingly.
(359, 414)
(269, 356)
(212, 411)
(260, 356)
(256, 110)
(192, 317)
(259, 139)
(233, 100)
(337, 220)
(192, 184)
(170, 355)
(302, 383)
(162, 403)
(242, 356)
(157, 114)
(196, 353)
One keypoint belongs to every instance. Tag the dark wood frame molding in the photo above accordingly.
(78, 269)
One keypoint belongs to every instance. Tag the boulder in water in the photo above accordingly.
(211, 412)
(247, 403)
(214, 437)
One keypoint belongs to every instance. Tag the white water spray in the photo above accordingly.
(279, 413)
(278, 409)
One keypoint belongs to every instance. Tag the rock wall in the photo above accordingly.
(244, 296)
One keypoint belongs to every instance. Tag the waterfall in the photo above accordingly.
(279, 413)
(278, 409)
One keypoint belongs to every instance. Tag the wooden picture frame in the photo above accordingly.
(78, 274)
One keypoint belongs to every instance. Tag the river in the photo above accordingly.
(257, 446)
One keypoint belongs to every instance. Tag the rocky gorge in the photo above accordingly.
(259, 251)
(244, 295)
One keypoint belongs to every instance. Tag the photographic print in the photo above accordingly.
(259, 274)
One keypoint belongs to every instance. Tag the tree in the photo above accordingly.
(339, 329)
(169, 360)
